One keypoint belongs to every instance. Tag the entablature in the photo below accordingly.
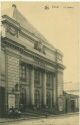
(25, 50)
(6, 19)
(60, 67)
(28, 57)
(15, 29)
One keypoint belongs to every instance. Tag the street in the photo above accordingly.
(59, 120)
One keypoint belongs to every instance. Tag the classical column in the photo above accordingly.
(54, 89)
(59, 82)
(32, 87)
(60, 100)
(6, 83)
(44, 89)
(40, 85)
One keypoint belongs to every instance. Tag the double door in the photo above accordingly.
(22, 102)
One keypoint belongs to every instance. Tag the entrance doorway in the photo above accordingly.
(72, 105)
(22, 103)
(37, 98)
(48, 100)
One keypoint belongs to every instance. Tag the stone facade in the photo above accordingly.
(32, 69)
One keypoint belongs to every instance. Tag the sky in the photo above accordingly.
(59, 25)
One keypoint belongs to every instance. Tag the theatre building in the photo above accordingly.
(31, 70)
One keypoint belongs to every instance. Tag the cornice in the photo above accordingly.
(46, 44)
(34, 38)
(27, 36)
(25, 32)
(60, 66)
(10, 21)
(59, 52)
(25, 51)
(33, 55)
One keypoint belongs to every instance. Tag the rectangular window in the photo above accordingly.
(37, 77)
(49, 80)
(23, 72)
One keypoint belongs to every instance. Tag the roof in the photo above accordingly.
(14, 13)
(70, 95)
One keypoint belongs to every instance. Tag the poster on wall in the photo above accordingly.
(11, 100)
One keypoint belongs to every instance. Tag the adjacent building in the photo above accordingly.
(31, 70)
(71, 102)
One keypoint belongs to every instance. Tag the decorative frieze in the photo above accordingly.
(13, 31)
(39, 46)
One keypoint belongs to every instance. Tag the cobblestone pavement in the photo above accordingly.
(60, 120)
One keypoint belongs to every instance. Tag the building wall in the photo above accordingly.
(13, 61)
(22, 39)
(71, 102)
(19, 48)
(2, 81)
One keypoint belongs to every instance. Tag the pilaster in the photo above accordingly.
(54, 94)
(44, 88)
(32, 87)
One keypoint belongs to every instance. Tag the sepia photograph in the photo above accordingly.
(39, 63)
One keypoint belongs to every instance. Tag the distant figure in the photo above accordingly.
(11, 109)
(11, 112)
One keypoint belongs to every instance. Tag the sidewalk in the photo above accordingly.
(4, 120)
